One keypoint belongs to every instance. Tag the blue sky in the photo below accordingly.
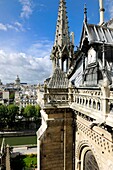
(27, 31)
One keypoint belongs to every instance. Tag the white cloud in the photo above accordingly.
(16, 26)
(19, 26)
(109, 6)
(111, 11)
(26, 8)
(29, 68)
(40, 48)
(3, 27)
(41, 7)
(11, 27)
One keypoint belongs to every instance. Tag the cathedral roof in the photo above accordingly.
(58, 80)
(97, 34)
(109, 23)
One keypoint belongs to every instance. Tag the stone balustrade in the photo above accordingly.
(55, 98)
(88, 98)
(95, 103)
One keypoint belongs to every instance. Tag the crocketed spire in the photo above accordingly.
(62, 29)
(63, 49)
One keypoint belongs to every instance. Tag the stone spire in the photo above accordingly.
(63, 49)
(85, 13)
(62, 33)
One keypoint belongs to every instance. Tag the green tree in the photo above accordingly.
(12, 95)
(29, 111)
(3, 114)
(32, 113)
(13, 111)
(38, 115)
(18, 162)
(22, 111)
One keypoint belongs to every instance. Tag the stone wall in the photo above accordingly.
(97, 140)
(56, 143)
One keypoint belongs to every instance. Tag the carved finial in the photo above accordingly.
(85, 13)
(101, 4)
(62, 35)
(103, 53)
(57, 59)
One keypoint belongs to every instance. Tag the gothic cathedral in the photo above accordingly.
(77, 104)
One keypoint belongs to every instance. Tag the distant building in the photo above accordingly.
(21, 94)
(17, 81)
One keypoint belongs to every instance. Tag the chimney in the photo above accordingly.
(101, 12)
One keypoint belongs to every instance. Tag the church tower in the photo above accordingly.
(63, 49)
(56, 135)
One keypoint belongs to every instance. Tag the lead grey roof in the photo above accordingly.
(59, 79)
(109, 23)
(97, 34)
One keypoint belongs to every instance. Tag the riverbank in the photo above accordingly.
(17, 133)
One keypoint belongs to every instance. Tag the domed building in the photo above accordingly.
(17, 81)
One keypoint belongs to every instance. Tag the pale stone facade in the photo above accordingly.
(55, 144)
(55, 134)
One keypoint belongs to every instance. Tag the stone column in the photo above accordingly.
(70, 94)
(65, 135)
(8, 158)
(101, 11)
(38, 154)
(105, 99)
(45, 93)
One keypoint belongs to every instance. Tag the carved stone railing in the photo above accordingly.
(96, 103)
(88, 101)
(88, 98)
(109, 119)
(52, 99)
(111, 102)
